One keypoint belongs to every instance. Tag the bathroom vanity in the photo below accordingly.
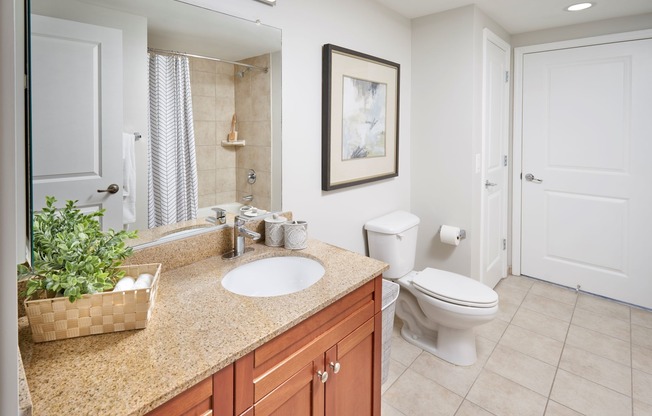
(207, 351)
(326, 365)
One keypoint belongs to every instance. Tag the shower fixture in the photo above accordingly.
(242, 73)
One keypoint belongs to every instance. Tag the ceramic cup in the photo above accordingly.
(274, 232)
(296, 235)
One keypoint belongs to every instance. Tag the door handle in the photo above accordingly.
(487, 184)
(112, 189)
(530, 178)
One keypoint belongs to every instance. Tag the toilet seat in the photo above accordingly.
(454, 288)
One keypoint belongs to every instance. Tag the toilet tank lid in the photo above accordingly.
(392, 223)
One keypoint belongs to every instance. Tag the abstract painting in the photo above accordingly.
(363, 118)
(360, 113)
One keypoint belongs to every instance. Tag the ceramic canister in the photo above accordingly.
(274, 233)
(296, 235)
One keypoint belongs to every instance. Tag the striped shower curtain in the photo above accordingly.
(172, 167)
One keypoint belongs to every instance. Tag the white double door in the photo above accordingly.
(586, 184)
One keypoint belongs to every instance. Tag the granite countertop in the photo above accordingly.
(196, 329)
(24, 396)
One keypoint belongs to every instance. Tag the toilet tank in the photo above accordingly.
(393, 239)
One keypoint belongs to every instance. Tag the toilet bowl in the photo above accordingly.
(443, 328)
(439, 309)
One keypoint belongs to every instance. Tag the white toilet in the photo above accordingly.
(439, 309)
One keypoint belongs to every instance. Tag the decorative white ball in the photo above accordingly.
(144, 280)
(126, 283)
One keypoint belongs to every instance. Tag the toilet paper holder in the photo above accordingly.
(462, 233)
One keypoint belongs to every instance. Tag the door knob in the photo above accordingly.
(336, 367)
(530, 178)
(323, 376)
(113, 188)
(487, 184)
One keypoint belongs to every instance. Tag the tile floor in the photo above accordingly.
(550, 351)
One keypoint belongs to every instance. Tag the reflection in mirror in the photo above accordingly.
(172, 104)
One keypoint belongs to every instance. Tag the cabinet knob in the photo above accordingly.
(336, 367)
(323, 376)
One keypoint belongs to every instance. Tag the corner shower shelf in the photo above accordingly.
(237, 143)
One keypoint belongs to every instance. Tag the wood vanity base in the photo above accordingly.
(327, 365)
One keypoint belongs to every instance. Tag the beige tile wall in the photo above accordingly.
(253, 106)
(217, 94)
(213, 102)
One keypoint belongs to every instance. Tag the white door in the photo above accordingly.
(495, 116)
(587, 170)
(76, 79)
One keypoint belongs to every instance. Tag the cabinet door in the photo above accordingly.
(223, 392)
(196, 401)
(350, 363)
(211, 397)
(301, 394)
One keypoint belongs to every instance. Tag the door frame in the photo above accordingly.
(489, 36)
(517, 137)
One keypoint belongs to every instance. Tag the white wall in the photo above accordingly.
(447, 133)
(12, 200)
(338, 216)
(442, 129)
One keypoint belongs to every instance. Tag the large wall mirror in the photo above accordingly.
(135, 107)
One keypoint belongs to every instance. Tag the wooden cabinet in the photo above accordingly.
(298, 395)
(210, 397)
(350, 386)
(325, 366)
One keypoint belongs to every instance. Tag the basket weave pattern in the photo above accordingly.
(99, 313)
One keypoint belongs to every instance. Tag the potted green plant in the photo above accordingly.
(75, 266)
(72, 255)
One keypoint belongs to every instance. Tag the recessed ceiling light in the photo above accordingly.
(579, 6)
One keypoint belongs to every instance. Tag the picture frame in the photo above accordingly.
(360, 118)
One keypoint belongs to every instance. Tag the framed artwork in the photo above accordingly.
(360, 111)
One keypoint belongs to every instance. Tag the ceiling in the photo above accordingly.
(175, 25)
(519, 16)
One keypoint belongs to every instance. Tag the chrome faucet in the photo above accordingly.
(239, 234)
(219, 218)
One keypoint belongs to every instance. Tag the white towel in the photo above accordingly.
(129, 178)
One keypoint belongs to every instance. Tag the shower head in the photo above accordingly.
(242, 73)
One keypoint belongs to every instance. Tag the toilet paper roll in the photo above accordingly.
(449, 235)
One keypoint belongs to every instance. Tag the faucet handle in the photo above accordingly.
(238, 221)
(220, 215)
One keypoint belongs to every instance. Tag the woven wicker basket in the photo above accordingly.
(99, 313)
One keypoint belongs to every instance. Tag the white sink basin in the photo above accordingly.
(273, 276)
